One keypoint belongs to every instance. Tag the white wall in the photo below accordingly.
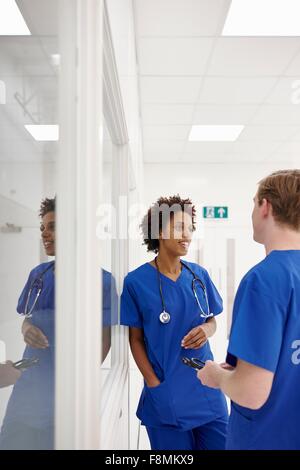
(210, 184)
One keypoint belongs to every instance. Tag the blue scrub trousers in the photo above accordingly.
(20, 436)
(209, 436)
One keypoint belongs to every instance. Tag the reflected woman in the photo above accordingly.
(28, 422)
(170, 308)
(29, 418)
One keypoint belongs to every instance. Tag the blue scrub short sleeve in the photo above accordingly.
(109, 299)
(24, 294)
(130, 313)
(257, 329)
(214, 298)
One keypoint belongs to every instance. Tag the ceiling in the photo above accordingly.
(189, 74)
(31, 78)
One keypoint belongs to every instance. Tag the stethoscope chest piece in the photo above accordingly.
(164, 317)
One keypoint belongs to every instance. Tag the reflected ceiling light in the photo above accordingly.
(2, 92)
(43, 132)
(215, 133)
(12, 22)
(263, 18)
(55, 60)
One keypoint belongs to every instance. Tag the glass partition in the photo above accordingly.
(29, 75)
(105, 233)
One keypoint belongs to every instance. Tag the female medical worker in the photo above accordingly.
(29, 419)
(169, 306)
(28, 422)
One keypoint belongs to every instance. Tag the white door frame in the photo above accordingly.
(78, 299)
(115, 387)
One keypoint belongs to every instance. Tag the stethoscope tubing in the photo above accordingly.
(37, 280)
(165, 317)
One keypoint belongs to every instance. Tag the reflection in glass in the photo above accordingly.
(110, 310)
(29, 417)
(29, 82)
(109, 292)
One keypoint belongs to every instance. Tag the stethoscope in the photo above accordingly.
(37, 284)
(165, 317)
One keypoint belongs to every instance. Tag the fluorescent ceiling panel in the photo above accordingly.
(43, 133)
(263, 18)
(215, 133)
(12, 22)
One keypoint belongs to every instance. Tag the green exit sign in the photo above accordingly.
(215, 212)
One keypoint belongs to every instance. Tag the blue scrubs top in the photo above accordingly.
(180, 401)
(32, 398)
(266, 333)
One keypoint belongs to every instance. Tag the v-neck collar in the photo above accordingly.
(166, 277)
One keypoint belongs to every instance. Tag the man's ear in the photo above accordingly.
(266, 208)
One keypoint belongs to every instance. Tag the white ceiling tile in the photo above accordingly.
(235, 91)
(225, 152)
(267, 133)
(203, 148)
(289, 148)
(285, 159)
(164, 147)
(165, 133)
(285, 91)
(294, 67)
(173, 56)
(222, 158)
(218, 115)
(174, 90)
(278, 115)
(251, 149)
(161, 157)
(204, 158)
(254, 157)
(180, 17)
(167, 114)
(296, 137)
(252, 56)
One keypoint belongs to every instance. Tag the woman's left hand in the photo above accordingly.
(196, 338)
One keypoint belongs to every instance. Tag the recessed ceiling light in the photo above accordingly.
(215, 133)
(263, 18)
(43, 133)
(12, 22)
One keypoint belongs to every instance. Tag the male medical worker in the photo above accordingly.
(264, 344)
(8, 374)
